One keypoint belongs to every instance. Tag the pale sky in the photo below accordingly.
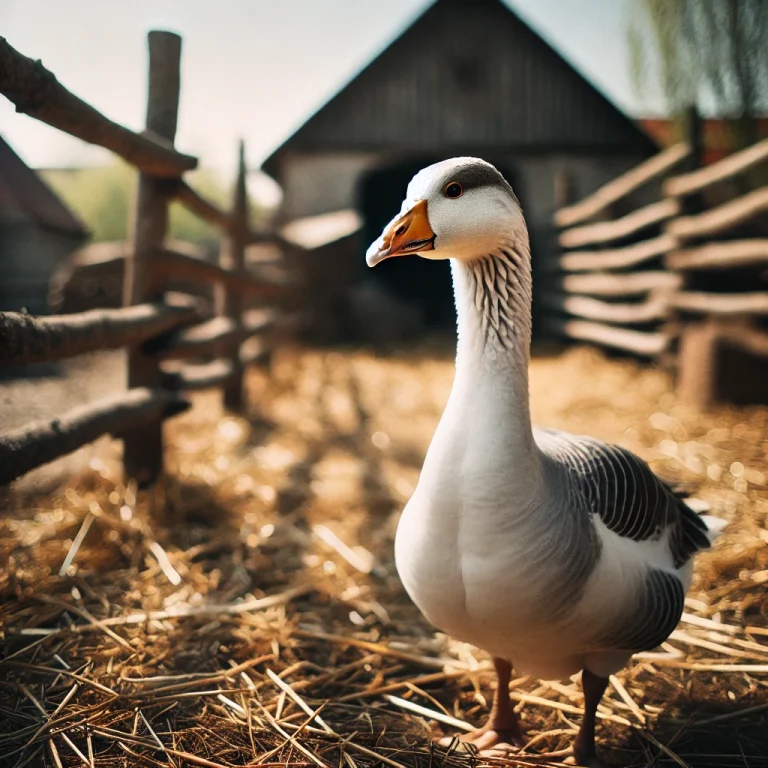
(255, 68)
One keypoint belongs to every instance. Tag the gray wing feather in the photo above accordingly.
(653, 619)
(628, 497)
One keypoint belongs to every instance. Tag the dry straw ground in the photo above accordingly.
(249, 613)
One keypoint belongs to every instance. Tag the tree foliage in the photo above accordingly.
(708, 54)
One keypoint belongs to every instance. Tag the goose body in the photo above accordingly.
(553, 552)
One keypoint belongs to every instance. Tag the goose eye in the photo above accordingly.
(453, 190)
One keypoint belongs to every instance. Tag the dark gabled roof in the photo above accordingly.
(24, 196)
(467, 73)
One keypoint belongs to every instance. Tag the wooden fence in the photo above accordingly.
(682, 278)
(154, 325)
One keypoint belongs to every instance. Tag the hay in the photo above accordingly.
(248, 612)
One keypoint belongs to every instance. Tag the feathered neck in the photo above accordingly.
(493, 305)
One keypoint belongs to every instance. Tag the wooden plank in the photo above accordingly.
(726, 255)
(696, 181)
(702, 378)
(632, 284)
(654, 308)
(618, 258)
(172, 263)
(621, 186)
(637, 342)
(210, 337)
(143, 447)
(26, 339)
(229, 303)
(721, 303)
(190, 378)
(44, 441)
(618, 229)
(36, 92)
(199, 205)
(719, 220)
(265, 283)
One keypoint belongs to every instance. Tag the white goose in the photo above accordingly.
(553, 552)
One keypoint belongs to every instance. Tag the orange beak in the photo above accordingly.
(410, 233)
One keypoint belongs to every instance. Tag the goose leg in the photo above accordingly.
(502, 728)
(584, 746)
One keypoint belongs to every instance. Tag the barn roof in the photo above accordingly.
(467, 73)
(24, 196)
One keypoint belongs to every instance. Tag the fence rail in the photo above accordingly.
(694, 263)
(156, 327)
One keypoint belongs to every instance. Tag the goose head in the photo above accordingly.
(461, 208)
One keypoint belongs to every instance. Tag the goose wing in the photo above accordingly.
(622, 490)
(632, 502)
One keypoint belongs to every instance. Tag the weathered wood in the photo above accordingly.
(143, 447)
(254, 282)
(696, 181)
(42, 442)
(719, 220)
(620, 187)
(618, 229)
(26, 339)
(219, 333)
(36, 92)
(181, 261)
(617, 258)
(726, 255)
(190, 378)
(722, 359)
(637, 342)
(632, 284)
(232, 256)
(197, 204)
(721, 303)
(697, 364)
(654, 308)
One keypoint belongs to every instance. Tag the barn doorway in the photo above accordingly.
(424, 283)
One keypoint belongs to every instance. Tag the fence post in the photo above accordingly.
(232, 256)
(143, 448)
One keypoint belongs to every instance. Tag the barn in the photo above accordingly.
(468, 77)
(37, 232)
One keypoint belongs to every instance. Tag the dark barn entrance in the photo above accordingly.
(425, 283)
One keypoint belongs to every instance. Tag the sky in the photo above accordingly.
(256, 69)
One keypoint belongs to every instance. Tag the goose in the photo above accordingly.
(553, 552)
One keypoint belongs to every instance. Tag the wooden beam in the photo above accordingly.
(620, 187)
(721, 303)
(210, 337)
(26, 339)
(36, 92)
(726, 255)
(637, 342)
(190, 378)
(253, 282)
(654, 308)
(719, 220)
(44, 441)
(230, 303)
(197, 204)
(172, 263)
(618, 229)
(143, 447)
(632, 284)
(696, 181)
(618, 258)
